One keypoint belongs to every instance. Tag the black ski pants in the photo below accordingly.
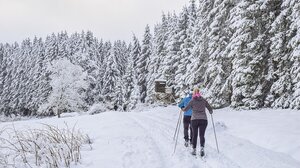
(198, 125)
(186, 127)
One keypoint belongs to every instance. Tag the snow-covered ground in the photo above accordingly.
(144, 138)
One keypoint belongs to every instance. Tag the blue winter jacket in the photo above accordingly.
(184, 102)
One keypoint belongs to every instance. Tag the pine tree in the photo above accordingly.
(170, 61)
(117, 95)
(130, 89)
(294, 45)
(51, 47)
(153, 65)
(62, 45)
(142, 63)
(111, 76)
(279, 65)
(2, 67)
(181, 50)
(192, 19)
(121, 52)
(131, 78)
(250, 52)
(160, 39)
(23, 95)
(136, 51)
(218, 65)
(185, 26)
(200, 54)
(103, 63)
(39, 87)
(8, 76)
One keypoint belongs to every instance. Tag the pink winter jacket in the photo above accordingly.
(198, 105)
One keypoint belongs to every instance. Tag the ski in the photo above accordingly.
(203, 158)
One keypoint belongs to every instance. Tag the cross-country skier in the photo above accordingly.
(199, 119)
(187, 119)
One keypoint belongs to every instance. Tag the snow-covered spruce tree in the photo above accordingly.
(190, 43)
(155, 62)
(191, 28)
(219, 65)
(135, 51)
(294, 45)
(6, 76)
(10, 79)
(86, 56)
(159, 41)
(182, 56)
(111, 76)
(90, 66)
(142, 63)
(102, 63)
(2, 74)
(21, 83)
(68, 82)
(186, 30)
(249, 48)
(131, 90)
(159, 51)
(51, 47)
(44, 88)
(280, 64)
(1, 67)
(97, 71)
(121, 54)
(74, 45)
(199, 56)
(20, 79)
(117, 95)
(170, 61)
(39, 87)
(192, 14)
(243, 25)
(1, 55)
(130, 87)
(62, 45)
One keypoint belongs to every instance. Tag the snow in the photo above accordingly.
(160, 80)
(97, 108)
(144, 138)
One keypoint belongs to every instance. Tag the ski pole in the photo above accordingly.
(179, 122)
(215, 132)
(179, 117)
(177, 133)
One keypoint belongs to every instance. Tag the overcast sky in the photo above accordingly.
(107, 19)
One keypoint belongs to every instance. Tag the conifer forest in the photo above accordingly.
(241, 53)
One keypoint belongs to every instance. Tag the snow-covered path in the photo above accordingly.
(144, 138)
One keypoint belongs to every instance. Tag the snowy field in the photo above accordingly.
(144, 138)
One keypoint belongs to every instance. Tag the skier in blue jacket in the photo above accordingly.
(187, 119)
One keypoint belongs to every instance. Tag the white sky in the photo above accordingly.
(107, 19)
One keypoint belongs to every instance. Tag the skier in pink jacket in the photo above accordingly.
(199, 119)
